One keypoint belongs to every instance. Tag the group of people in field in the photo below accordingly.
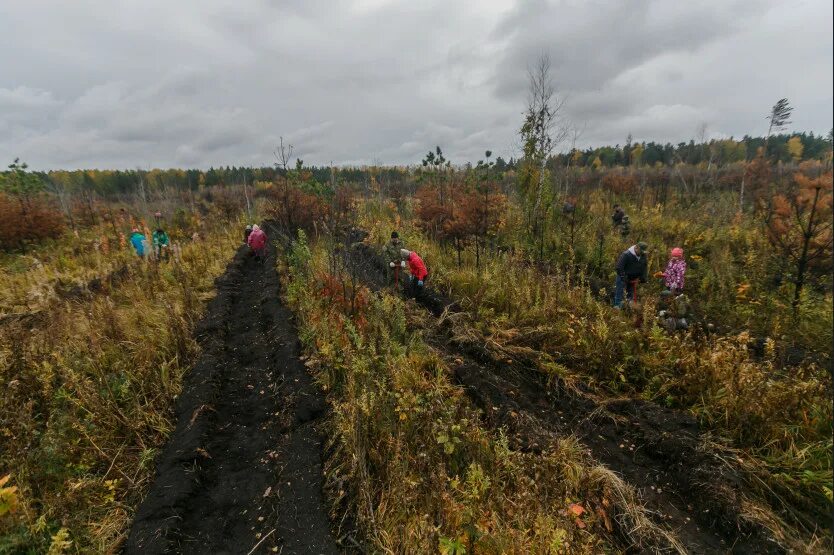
(632, 268)
(159, 246)
(400, 259)
(406, 265)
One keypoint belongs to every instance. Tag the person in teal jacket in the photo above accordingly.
(137, 239)
(160, 243)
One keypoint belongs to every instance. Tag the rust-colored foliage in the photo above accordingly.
(477, 211)
(484, 210)
(27, 220)
(757, 177)
(800, 227)
(432, 213)
(295, 209)
(619, 183)
(342, 295)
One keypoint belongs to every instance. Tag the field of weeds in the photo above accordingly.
(510, 408)
(754, 372)
(93, 346)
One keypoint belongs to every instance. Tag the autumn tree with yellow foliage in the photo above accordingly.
(800, 228)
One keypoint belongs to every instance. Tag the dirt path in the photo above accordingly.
(243, 466)
(656, 450)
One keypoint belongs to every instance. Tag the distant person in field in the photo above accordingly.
(246, 233)
(419, 274)
(160, 243)
(137, 239)
(625, 227)
(675, 273)
(391, 255)
(257, 241)
(632, 266)
(617, 216)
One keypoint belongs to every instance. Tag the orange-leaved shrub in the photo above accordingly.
(27, 220)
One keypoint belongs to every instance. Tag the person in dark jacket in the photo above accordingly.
(391, 254)
(632, 266)
(617, 216)
(246, 233)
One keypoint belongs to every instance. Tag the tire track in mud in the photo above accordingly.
(242, 469)
(656, 450)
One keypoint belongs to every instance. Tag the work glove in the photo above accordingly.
(392, 264)
(402, 264)
(420, 283)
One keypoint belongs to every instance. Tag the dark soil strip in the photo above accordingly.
(656, 450)
(243, 466)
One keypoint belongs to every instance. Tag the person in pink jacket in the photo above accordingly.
(257, 241)
(675, 273)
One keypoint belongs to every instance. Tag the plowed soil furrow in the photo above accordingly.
(655, 450)
(243, 465)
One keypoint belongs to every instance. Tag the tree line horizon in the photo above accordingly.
(782, 147)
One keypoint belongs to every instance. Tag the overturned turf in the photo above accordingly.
(687, 491)
(243, 465)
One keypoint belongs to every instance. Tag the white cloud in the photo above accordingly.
(154, 83)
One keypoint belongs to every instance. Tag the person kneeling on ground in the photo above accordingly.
(631, 268)
(625, 227)
(391, 255)
(257, 242)
(418, 271)
(674, 311)
(160, 243)
(137, 239)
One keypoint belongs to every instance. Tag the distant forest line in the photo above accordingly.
(785, 148)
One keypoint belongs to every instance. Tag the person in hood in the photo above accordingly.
(257, 241)
(160, 243)
(137, 239)
(675, 273)
(419, 274)
(391, 255)
(632, 267)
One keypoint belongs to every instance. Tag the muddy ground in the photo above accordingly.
(686, 490)
(241, 472)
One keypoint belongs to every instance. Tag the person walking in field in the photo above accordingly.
(675, 273)
(137, 239)
(418, 271)
(632, 267)
(257, 241)
(160, 243)
(391, 255)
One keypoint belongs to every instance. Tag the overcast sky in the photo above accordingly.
(161, 83)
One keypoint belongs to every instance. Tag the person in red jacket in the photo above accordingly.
(257, 241)
(418, 272)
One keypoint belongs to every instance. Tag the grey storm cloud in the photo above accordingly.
(155, 83)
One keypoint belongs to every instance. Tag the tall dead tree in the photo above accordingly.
(283, 154)
(542, 130)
